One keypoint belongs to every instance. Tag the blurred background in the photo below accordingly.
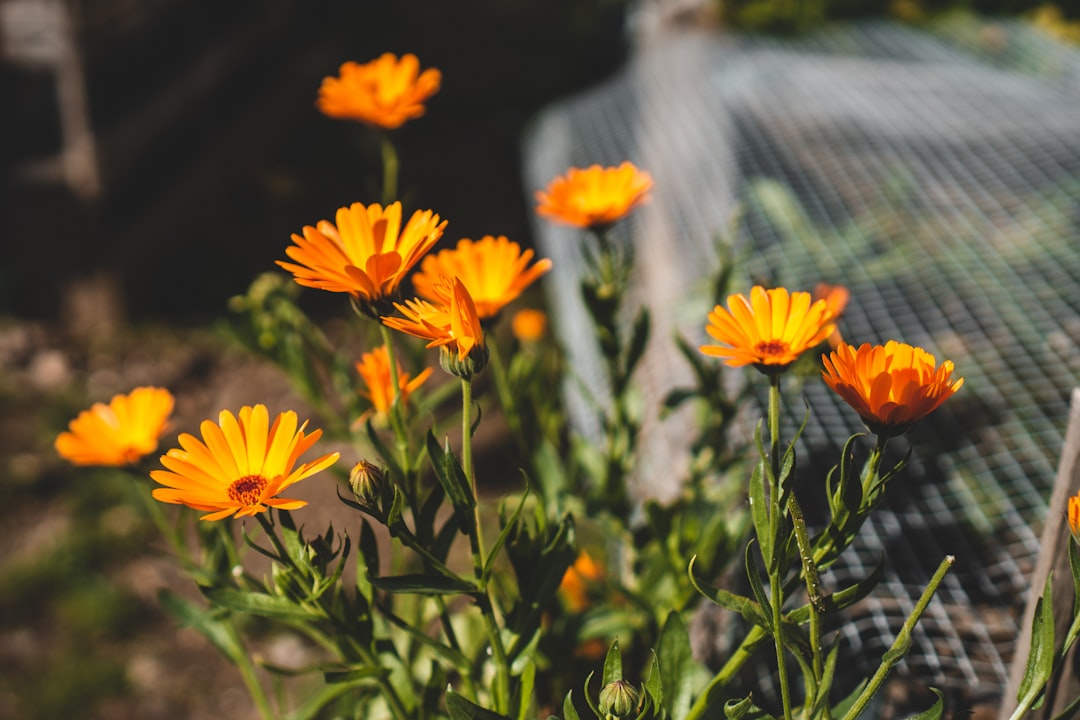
(156, 156)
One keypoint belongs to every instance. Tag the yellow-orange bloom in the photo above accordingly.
(374, 369)
(494, 269)
(366, 254)
(890, 386)
(384, 92)
(836, 299)
(577, 580)
(595, 196)
(529, 325)
(120, 433)
(1074, 516)
(453, 322)
(769, 330)
(241, 464)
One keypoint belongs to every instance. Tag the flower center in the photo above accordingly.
(247, 490)
(771, 348)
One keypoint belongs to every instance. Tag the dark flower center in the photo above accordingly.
(247, 490)
(771, 348)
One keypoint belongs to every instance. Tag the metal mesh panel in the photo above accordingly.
(936, 175)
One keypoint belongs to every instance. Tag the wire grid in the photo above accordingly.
(936, 175)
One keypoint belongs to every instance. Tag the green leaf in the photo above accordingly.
(654, 686)
(837, 601)
(385, 453)
(462, 709)
(676, 665)
(204, 621)
(453, 480)
(745, 709)
(421, 584)
(1040, 660)
(759, 507)
(568, 710)
(333, 677)
(934, 711)
(613, 664)
(507, 527)
(588, 696)
(753, 573)
(744, 606)
(639, 338)
(525, 690)
(319, 700)
(261, 604)
(822, 699)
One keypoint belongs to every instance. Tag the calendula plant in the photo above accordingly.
(439, 597)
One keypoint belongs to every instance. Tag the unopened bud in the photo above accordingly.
(465, 368)
(619, 699)
(366, 481)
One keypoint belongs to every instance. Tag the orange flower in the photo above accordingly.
(890, 386)
(453, 322)
(374, 369)
(1074, 516)
(367, 254)
(576, 581)
(595, 196)
(836, 299)
(384, 92)
(770, 330)
(239, 466)
(494, 269)
(529, 325)
(120, 433)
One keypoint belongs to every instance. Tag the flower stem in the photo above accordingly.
(390, 169)
(776, 516)
(484, 601)
(902, 642)
(397, 419)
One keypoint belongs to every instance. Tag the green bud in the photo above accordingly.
(619, 699)
(473, 363)
(367, 480)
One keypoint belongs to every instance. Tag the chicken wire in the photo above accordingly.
(932, 172)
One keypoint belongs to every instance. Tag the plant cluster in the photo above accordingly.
(441, 598)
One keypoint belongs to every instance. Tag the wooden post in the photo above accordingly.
(1054, 555)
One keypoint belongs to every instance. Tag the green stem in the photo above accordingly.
(776, 515)
(902, 642)
(397, 420)
(813, 591)
(390, 169)
(484, 601)
(251, 681)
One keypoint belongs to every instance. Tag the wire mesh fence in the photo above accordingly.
(933, 172)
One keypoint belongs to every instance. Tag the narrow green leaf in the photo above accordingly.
(260, 604)
(753, 572)
(1040, 660)
(588, 696)
(204, 621)
(613, 664)
(759, 508)
(507, 528)
(319, 700)
(837, 601)
(744, 606)
(821, 700)
(461, 709)
(421, 584)
(745, 709)
(639, 338)
(526, 685)
(654, 687)
(568, 710)
(934, 711)
(676, 666)
(452, 477)
(385, 453)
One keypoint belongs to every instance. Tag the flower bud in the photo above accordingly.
(465, 368)
(618, 699)
(366, 481)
